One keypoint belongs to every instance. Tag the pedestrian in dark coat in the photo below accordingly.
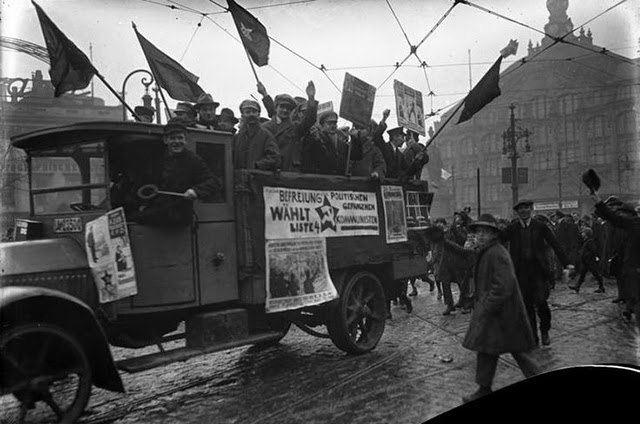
(589, 258)
(568, 236)
(624, 216)
(372, 163)
(253, 146)
(289, 134)
(499, 322)
(527, 238)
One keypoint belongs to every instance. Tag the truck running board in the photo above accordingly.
(158, 359)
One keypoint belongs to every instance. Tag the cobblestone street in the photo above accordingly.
(418, 371)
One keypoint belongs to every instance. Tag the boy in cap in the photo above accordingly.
(589, 258)
(253, 146)
(182, 171)
(499, 322)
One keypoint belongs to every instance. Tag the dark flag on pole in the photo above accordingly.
(483, 93)
(252, 33)
(70, 68)
(169, 74)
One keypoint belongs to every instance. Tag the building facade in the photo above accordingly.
(27, 104)
(578, 101)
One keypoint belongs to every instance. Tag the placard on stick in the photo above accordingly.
(357, 100)
(409, 108)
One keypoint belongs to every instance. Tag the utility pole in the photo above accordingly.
(510, 139)
(453, 186)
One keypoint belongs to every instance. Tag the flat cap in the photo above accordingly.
(250, 104)
(522, 203)
(175, 125)
(285, 98)
(324, 116)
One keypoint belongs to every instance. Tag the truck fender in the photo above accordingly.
(46, 255)
(19, 305)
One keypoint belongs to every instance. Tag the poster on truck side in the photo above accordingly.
(394, 213)
(409, 108)
(109, 254)
(297, 213)
(297, 274)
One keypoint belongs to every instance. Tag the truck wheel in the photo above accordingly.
(47, 370)
(357, 321)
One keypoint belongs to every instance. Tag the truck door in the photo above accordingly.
(215, 228)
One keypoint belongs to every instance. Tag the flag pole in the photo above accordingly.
(164, 100)
(445, 122)
(115, 93)
(253, 68)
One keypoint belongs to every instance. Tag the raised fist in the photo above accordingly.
(261, 89)
(311, 90)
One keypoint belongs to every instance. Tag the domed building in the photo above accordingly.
(577, 101)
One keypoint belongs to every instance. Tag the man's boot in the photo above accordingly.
(545, 338)
(448, 310)
(576, 287)
(600, 288)
(482, 391)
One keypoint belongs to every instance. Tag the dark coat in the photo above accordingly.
(372, 161)
(255, 149)
(630, 271)
(499, 322)
(589, 253)
(321, 156)
(568, 236)
(178, 174)
(394, 159)
(289, 136)
(455, 261)
(540, 234)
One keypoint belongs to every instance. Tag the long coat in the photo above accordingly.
(321, 156)
(540, 234)
(568, 236)
(289, 136)
(255, 149)
(630, 272)
(499, 322)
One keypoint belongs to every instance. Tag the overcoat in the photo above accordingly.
(255, 149)
(499, 322)
(289, 136)
(372, 161)
(568, 236)
(630, 272)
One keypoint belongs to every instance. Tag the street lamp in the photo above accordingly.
(144, 82)
(510, 139)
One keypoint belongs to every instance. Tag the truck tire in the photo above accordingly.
(47, 370)
(357, 320)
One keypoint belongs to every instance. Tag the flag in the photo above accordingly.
(70, 68)
(483, 93)
(444, 174)
(252, 33)
(169, 74)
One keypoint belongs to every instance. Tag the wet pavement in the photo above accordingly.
(418, 370)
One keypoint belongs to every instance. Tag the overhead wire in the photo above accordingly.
(399, 23)
(192, 37)
(415, 48)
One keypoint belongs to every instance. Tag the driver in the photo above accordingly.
(183, 172)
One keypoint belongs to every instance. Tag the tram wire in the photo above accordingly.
(198, 26)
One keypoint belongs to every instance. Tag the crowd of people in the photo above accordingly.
(505, 271)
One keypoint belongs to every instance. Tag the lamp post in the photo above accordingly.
(144, 82)
(510, 139)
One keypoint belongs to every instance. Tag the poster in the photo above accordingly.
(297, 274)
(394, 213)
(293, 213)
(356, 104)
(409, 108)
(325, 107)
(109, 255)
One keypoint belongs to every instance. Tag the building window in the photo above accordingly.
(626, 122)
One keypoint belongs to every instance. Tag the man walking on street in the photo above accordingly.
(499, 322)
(527, 239)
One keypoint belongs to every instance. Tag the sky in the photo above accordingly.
(362, 35)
